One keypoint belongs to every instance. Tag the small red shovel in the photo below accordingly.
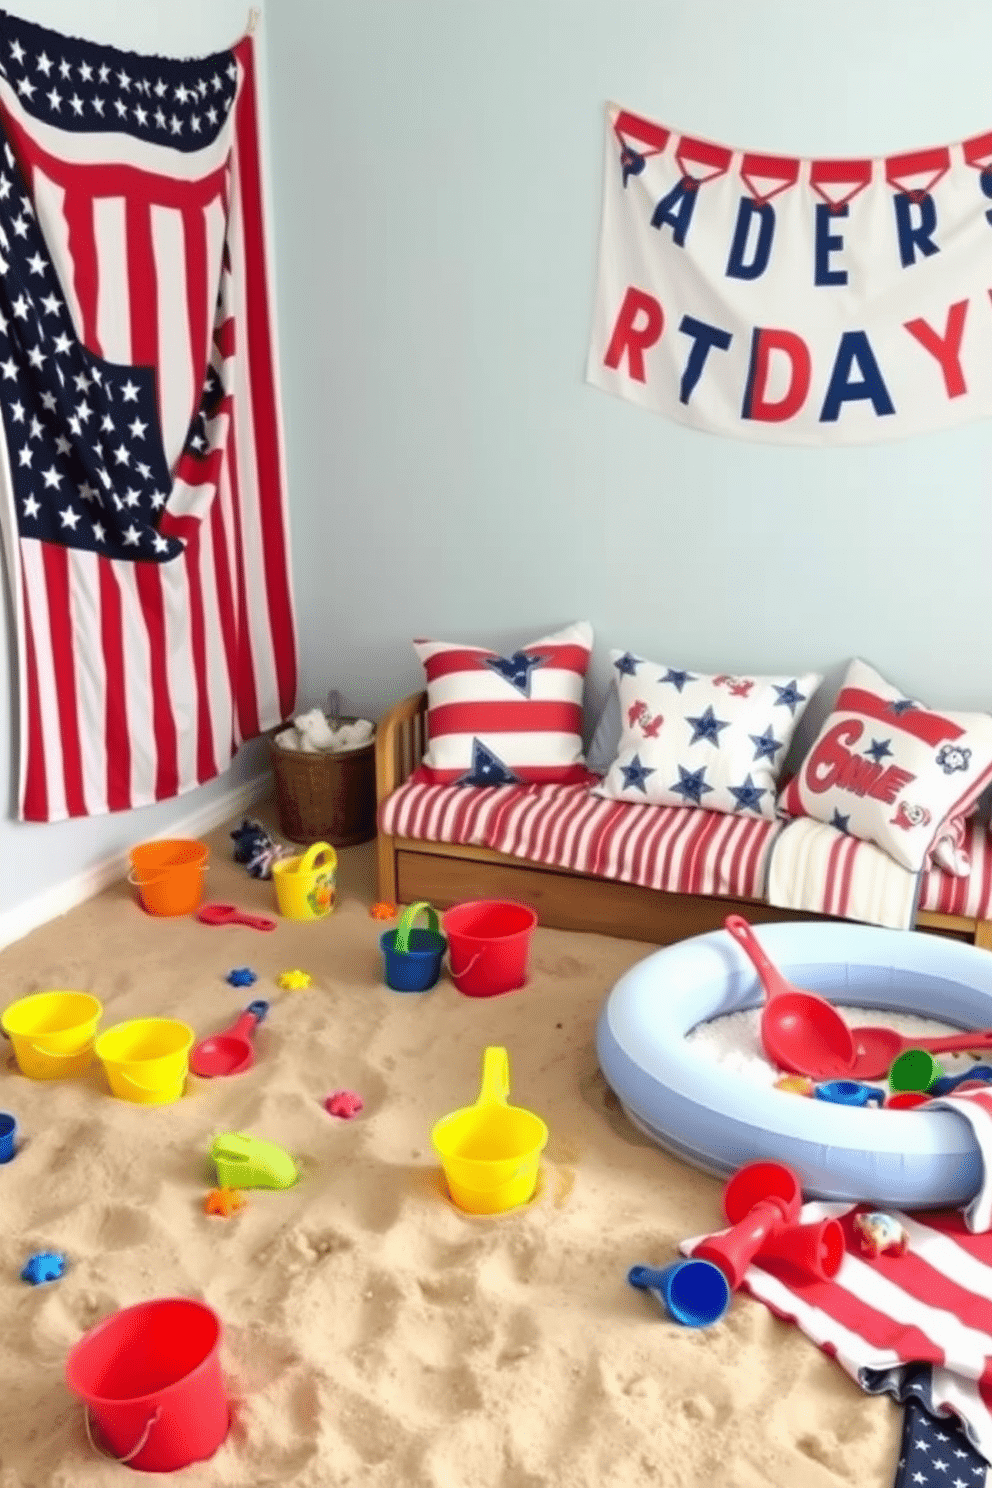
(229, 1052)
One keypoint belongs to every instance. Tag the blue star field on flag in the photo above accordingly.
(87, 87)
(936, 1453)
(88, 467)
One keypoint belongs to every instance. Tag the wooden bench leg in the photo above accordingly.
(386, 850)
(983, 934)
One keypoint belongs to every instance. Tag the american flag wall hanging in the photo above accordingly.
(142, 493)
(794, 300)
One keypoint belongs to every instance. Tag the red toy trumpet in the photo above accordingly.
(762, 1203)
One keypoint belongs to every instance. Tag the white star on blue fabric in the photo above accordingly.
(935, 1452)
(627, 664)
(766, 746)
(635, 774)
(487, 768)
(789, 696)
(515, 669)
(878, 749)
(707, 726)
(691, 785)
(748, 796)
(677, 679)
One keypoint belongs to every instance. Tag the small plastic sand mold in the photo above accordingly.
(295, 981)
(880, 1233)
(247, 1162)
(343, 1103)
(796, 1084)
(241, 976)
(383, 910)
(224, 1201)
(44, 1265)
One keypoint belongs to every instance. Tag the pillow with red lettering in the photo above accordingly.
(687, 739)
(506, 720)
(889, 770)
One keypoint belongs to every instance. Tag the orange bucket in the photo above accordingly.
(169, 875)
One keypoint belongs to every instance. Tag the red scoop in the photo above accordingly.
(803, 1033)
(230, 1052)
(876, 1049)
(230, 914)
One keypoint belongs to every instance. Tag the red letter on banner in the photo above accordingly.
(946, 348)
(635, 339)
(756, 405)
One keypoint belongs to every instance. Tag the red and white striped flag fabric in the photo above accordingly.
(883, 1316)
(142, 491)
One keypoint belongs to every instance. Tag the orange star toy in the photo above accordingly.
(224, 1201)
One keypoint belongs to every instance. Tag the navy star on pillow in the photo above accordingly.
(516, 669)
(635, 774)
(487, 768)
(707, 726)
(691, 785)
(748, 796)
(766, 746)
(878, 749)
(842, 823)
(789, 696)
(677, 679)
(626, 664)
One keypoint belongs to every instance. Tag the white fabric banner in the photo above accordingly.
(791, 300)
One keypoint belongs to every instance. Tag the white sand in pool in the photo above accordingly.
(735, 1040)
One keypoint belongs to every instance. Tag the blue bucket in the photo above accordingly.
(413, 957)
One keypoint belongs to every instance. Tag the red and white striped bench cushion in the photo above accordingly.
(676, 849)
(971, 896)
(671, 848)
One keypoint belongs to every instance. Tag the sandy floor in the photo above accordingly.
(374, 1334)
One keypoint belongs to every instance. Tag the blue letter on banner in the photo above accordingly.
(703, 338)
(918, 235)
(855, 348)
(746, 213)
(826, 242)
(676, 210)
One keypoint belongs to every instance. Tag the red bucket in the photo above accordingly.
(488, 942)
(151, 1381)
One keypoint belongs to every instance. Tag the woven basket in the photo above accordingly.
(325, 796)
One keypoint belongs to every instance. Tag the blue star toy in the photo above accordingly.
(45, 1265)
(241, 976)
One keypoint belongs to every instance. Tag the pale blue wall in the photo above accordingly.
(436, 173)
(437, 170)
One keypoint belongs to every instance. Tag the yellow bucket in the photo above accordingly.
(490, 1151)
(305, 886)
(146, 1060)
(52, 1032)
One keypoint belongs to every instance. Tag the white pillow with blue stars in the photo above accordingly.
(693, 740)
(887, 769)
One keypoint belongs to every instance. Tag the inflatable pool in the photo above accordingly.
(716, 1121)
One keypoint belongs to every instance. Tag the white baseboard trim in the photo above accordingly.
(60, 898)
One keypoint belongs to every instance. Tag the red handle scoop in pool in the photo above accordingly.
(877, 1049)
(230, 914)
(228, 1053)
(804, 1034)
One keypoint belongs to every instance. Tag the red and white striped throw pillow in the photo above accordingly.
(504, 720)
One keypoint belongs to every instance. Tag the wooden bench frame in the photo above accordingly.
(445, 873)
